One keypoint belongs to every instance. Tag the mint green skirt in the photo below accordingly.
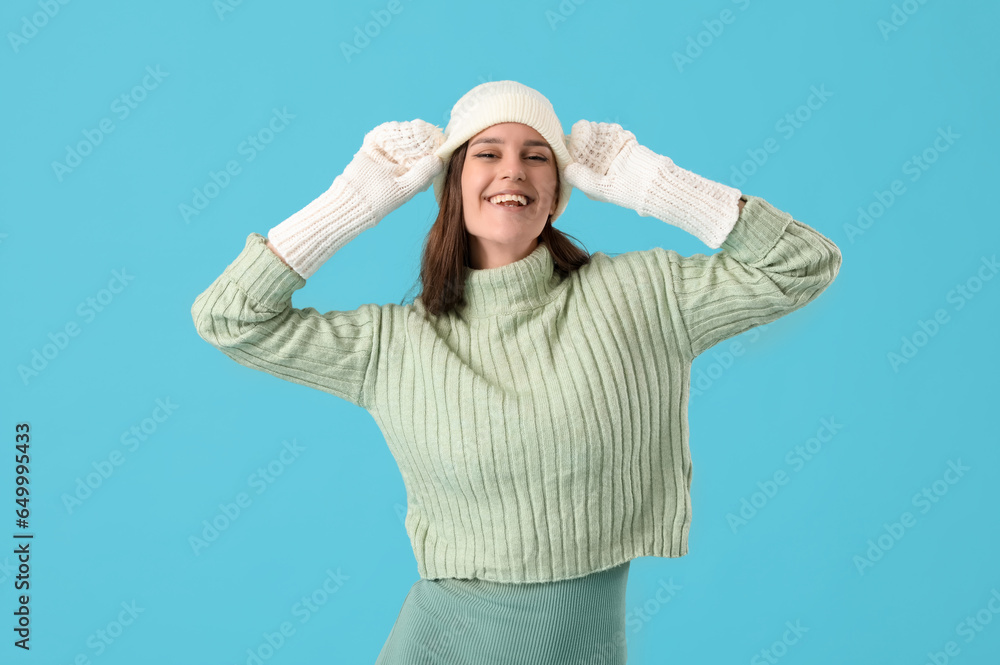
(569, 622)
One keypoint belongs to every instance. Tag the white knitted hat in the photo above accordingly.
(494, 102)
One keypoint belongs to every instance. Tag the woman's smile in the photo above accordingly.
(507, 206)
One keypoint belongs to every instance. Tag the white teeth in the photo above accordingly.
(500, 198)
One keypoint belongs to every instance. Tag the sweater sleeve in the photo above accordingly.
(770, 265)
(247, 314)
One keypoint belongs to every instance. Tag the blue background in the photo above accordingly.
(339, 505)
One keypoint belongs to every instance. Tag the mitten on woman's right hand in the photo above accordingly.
(395, 162)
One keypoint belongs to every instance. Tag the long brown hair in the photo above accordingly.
(446, 249)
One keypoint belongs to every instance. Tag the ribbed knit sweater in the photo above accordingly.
(540, 430)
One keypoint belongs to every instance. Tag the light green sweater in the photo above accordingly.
(541, 431)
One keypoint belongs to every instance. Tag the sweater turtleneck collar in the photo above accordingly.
(521, 285)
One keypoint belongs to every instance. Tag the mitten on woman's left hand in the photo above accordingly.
(610, 165)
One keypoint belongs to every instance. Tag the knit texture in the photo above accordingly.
(477, 622)
(395, 162)
(541, 430)
(610, 165)
(495, 102)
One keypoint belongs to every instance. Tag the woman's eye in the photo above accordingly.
(490, 154)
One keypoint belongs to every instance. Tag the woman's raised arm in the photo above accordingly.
(247, 314)
(271, 247)
(247, 311)
(770, 265)
(395, 162)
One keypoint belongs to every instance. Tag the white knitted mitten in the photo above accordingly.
(610, 165)
(395, 162)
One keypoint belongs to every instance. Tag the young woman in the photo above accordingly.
(533, 396)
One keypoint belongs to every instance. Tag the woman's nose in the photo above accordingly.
(513, 167)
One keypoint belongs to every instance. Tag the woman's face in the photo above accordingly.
(509, 156)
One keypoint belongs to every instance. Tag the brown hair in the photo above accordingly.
(446, 248)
